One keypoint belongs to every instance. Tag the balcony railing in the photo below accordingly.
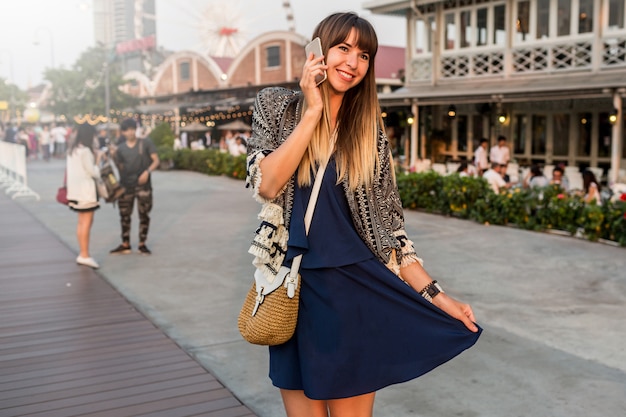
(529, 58)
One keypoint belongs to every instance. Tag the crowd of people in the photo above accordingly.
(86, 150)
(231, 142)
(40, 141)
(492, 165)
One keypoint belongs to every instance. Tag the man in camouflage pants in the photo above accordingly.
(136, 159)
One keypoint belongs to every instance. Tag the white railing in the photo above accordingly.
(13, 174)
(528, 58)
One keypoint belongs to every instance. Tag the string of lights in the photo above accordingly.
(168, 117)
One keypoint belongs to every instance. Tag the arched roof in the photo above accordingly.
(259, 40)
(142, 79)
(208, 62)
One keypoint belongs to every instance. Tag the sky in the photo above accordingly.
(35, 34)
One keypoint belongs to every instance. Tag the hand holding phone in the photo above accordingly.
(315, 47)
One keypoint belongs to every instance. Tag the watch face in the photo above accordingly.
(432, 291)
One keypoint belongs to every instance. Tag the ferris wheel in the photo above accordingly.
(220, 26)
(222, 33)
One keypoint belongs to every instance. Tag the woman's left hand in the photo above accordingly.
(456, 309)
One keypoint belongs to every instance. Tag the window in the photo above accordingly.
(616, 14)
(584, 134)
(424, 34)
(481, 27)
(273, 56)
(475, 25)
(519, 140)
(543, 19)
(605, 133)
(564, 17)
(539, 135)
(499, 26)
(466, 29)
(461, 133)
(450, 32)
(560, 135)
(585, 16)
(523, 20)
(184, 71)
(477, 130)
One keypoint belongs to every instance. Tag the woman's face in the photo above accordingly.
(347, 64)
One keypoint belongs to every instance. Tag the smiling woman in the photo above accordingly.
(360, 327)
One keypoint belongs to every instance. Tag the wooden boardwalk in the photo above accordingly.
(70, 345)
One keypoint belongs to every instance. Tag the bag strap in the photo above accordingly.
(308, 216)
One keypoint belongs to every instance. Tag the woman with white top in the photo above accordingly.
(591, 188)
(82, 171)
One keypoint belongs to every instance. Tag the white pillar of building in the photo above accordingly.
(414, 133)
(616, 140)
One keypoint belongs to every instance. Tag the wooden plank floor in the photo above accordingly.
(70, 345)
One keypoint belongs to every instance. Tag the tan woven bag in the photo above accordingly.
(275, 320)
(270, 311)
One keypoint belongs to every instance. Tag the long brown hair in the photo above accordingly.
(85, 135)
(358, 120)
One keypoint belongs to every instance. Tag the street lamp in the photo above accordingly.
(36, 42)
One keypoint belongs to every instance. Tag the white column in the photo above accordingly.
(616, 140)
(414, 133)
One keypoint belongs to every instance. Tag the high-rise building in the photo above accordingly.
(129, 27)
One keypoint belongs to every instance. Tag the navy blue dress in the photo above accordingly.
(360, 327)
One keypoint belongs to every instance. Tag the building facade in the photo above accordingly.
(550, 75)
(190, 86)
(129, 28)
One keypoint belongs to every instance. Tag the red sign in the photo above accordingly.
(141, 44)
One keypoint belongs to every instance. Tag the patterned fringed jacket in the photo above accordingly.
(376, 211)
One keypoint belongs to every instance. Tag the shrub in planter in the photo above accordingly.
(558, 210)
(236, 167)
(162, 135)
(198, 160)
(615, 221)
(421, 191)
(508, 207)
(459, 194)
(216, 162)
(182, 159)
(591, 220)
(166, 156)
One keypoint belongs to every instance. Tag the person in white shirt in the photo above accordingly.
(591, 188)
(480, 156)
(494, 178)
(535, 178)
(82, 169)
(44, 142)
(559, 178)
(58, 134)
(178, 145)
(500, 153)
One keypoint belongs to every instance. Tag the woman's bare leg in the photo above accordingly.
(85, 220)
(299, 405)
(359, 406)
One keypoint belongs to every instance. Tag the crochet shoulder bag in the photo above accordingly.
(270, 311)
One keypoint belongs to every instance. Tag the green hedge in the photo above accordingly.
(207, 161)
(463, 197)
(549, 208)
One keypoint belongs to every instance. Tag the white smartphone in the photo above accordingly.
(315, 46)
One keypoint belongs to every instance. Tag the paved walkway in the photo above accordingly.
(552, 307)
(70, 345)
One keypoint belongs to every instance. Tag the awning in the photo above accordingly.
(565, 86)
